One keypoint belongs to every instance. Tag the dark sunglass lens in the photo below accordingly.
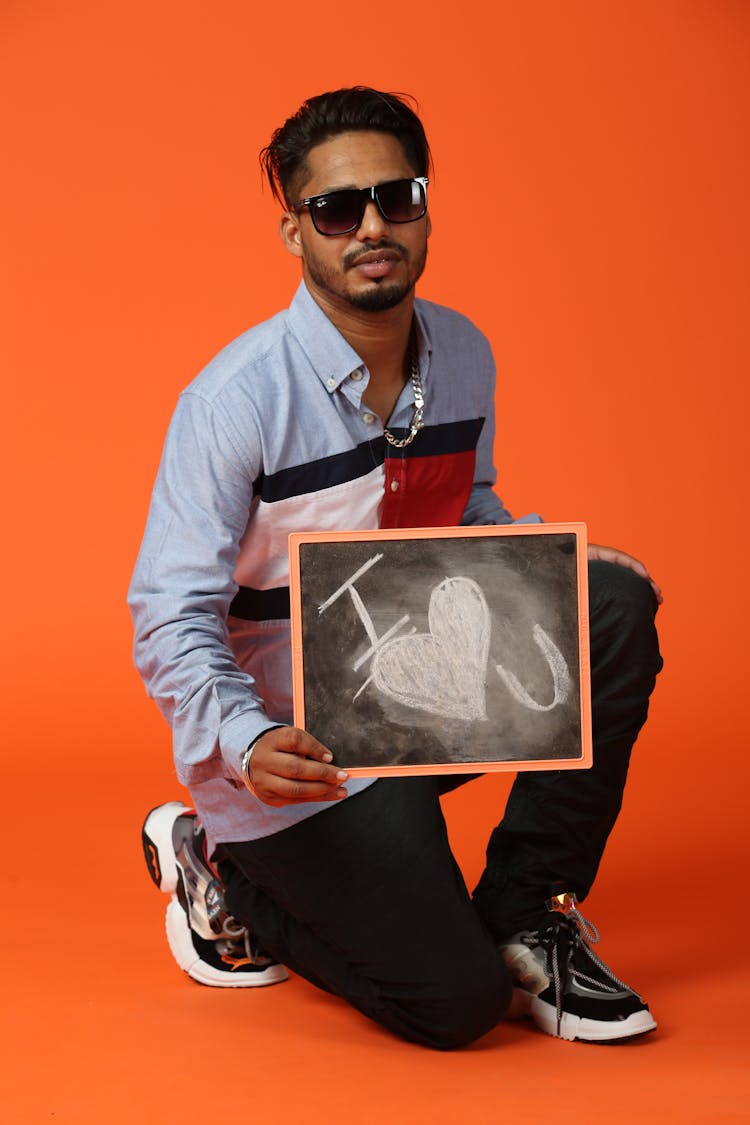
(402, 201)
(337, 213)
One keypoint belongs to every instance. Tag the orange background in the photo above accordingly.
(590, 212)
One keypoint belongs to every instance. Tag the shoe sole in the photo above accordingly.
(576, 1027)
(162, 865)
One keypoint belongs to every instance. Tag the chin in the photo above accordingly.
(380, 297)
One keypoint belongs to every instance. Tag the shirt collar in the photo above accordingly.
(333, 359)
(423, 338)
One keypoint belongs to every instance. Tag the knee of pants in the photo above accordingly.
(622, 610)
(620, 590)
(470, 1002)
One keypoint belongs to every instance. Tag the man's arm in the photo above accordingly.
(182, 587)
(485, 506)
(179, 597)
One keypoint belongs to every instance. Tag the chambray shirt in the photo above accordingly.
(275, 436)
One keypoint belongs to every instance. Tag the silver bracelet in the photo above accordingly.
(245, 760)
(245, 768)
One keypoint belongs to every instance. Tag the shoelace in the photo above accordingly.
(239, 935)
(560, 940)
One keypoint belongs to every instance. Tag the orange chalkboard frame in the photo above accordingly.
(453, 698)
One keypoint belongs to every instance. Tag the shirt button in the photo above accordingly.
(368, 417)
(356, 376)
(394, 486)
(330, 383)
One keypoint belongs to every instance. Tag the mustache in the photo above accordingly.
(353, 256)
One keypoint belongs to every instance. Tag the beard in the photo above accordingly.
(379, 295)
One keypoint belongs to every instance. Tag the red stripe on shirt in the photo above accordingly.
(427, 491)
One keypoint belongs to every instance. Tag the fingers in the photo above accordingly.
(289, 766)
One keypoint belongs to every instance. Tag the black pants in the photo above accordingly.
(366, 901)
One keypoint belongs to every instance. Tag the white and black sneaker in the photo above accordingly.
(207, 942)
(566, 989)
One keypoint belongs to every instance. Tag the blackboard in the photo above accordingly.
(443, 650)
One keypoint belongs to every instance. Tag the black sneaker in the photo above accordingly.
(566, 989)
(207, 942)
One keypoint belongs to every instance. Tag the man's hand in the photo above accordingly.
(288, 766)
(611, 554)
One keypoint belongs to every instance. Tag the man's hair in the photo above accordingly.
(358, 108)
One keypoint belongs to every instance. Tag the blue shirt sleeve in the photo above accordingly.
(183, 586)
(485, 506)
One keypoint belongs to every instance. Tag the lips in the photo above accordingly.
(377, 256)
(376, 263)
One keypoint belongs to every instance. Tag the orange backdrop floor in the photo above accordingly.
(104, 1028)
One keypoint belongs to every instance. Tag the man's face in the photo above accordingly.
(376, 266)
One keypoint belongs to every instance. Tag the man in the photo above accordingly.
(360, 407)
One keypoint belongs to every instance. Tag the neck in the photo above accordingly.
(380, 339)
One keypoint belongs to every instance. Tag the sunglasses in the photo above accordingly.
(341, 212)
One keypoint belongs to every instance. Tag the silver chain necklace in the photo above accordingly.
(416, 423)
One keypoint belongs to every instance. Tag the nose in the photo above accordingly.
(373, 225)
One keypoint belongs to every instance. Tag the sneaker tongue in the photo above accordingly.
(214, 903)
(534, 923)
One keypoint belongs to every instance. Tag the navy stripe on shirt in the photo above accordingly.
(315, 476)
(260, 605)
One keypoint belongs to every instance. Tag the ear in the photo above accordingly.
(291, 236)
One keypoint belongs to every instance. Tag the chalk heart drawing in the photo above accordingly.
(442, 671)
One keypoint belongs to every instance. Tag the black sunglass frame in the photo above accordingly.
(364, 195)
